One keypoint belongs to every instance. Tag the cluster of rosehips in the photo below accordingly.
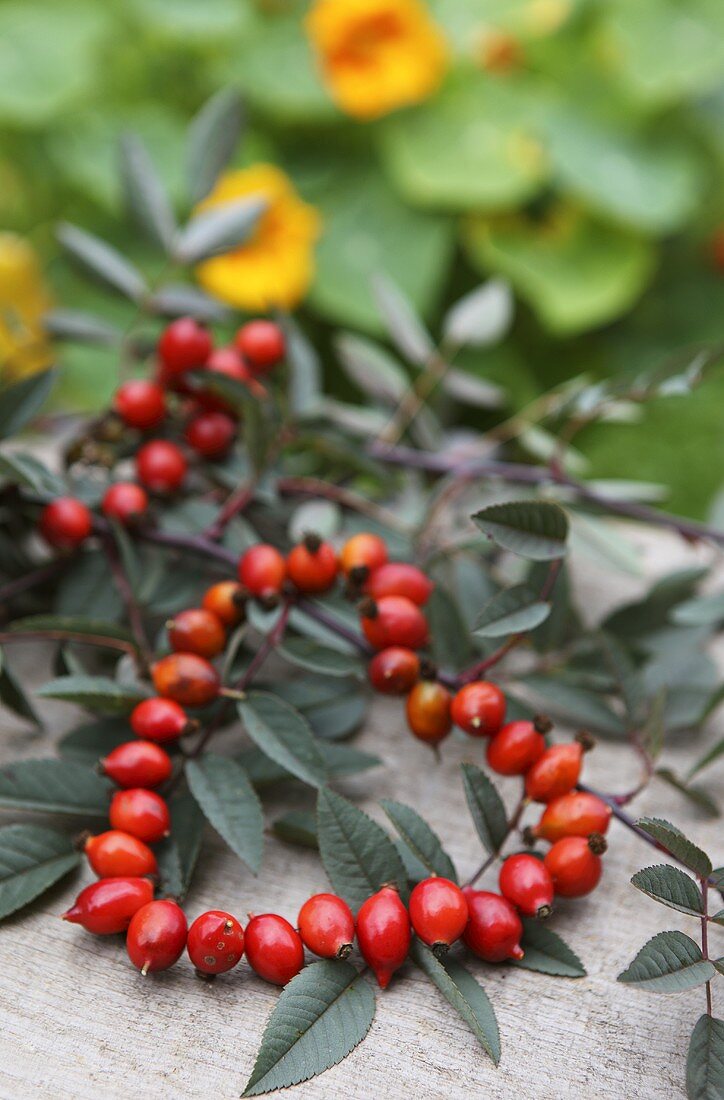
(142, 405)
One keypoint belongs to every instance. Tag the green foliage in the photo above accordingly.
(32, 859)
(228, 800)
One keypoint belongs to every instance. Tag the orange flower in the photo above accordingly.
(377, 55)
(275, 266)
(24, 347)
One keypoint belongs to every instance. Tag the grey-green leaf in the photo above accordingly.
(547, 953)
(20, 402)
(145, 195)
(671, 886)
(219, 229)
(54, 786)
(311, 655)
(511, 611)
(480, 318)
(461, 990)
(223, 791)
(297, 827)
(705, 1060)
(677, 844)
(401, 321)
(13, 696)
(212, 138)
(534, 529)
(422, 841)
(320, 1017)
(103, 261)
(87, 743)
(669, 963)
(486, 807)
(93, 692)
(81, 328)
(358, 856)
(284, 735)
(31, 860)
(73, 626)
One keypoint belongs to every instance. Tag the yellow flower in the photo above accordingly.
(24, 347)
(275, 266)
(377, 55)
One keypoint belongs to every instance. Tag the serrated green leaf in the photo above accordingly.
(306, 653)
(576, 705)
(284, 735)
(705, 1060)
(93, 740)
(297, 827)
(674, 841)
(547, 953)
(31, 860)
(461, 990)
(669, 963)
(103, 261)
(72, 626)
(212, 138)
(20, 402)
(145, 195)
(486, 807)
(671, 886)
(512, 611)
(178, 853)
(422, 841)
(358, 856)
(337, 718)
(450, 638)
(341, 760)
(697, 795)
(12, 695)
(223, 791)
(93, 692)
(534, 529)
(321, 1016)
(54, 786)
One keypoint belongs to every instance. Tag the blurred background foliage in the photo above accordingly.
(575, 147)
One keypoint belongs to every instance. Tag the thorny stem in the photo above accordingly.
(703, 882)
(544, 475)
(512, 826)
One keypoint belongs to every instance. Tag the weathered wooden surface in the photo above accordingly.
(77, 1022)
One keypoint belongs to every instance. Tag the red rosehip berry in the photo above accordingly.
(107, 906)
(312, 565)
(439, 912)
(156, 936)
(397, 578)
(160, 720)
(577, 813)
(494, 928)
(125, 502)
(526, 882)
(555, 773)
(393, 620)
(361, 554)
(479, 708)
(211, 434)
(197, 630)
(184, 344)
(394, 671)
(140, 404)
(515, 748)
(227, 601)
(137, 764)
(262, 571)
(141, 813)
(428, 711)
(187, 679)
(115, 854)
(227, 363)
(383, 933)
(274, 949)
(326, 926)
(65, 523)
(262, 345)
(161, 466)
(215, 942)
(575, 864)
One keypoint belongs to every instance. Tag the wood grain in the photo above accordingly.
(77, 1022)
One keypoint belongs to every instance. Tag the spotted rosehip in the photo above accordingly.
(107, 906)
(215, 942)
(326, 926)
(187, 679)
(156, 936)
(383, 933)
(198, 631)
